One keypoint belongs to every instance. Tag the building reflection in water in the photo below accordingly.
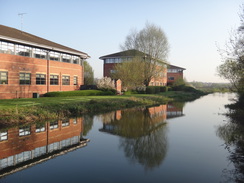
(25, 146)
(143, 132)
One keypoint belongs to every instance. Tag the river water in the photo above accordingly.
(177, 142)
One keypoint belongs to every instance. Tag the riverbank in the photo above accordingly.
(29, 110)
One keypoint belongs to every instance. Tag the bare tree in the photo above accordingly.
(232, 68)
(152, 41)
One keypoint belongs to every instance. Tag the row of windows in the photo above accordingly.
(116, 60)
(174, 70)
(25, 79)
(28, 51)
(24, 131)
(37, 152)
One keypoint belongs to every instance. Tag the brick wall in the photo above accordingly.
(17, 144)
(15, 64)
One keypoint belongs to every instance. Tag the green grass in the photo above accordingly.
(26, 110)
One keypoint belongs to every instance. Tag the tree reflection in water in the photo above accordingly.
(142, 132)
(233, 135)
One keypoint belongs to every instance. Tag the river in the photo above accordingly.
(175, 142)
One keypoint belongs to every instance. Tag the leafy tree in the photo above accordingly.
(130, 73)
(88, 74)
(152, 41)
(232, 68)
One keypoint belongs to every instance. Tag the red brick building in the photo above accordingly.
(174, 73)
(27, 144)
(30, 64)
(167, 76)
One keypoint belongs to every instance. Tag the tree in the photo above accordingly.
(232, 68)
(152, 41)
(130, 73)
(88, 74)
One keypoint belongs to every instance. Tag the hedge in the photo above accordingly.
(78, 93)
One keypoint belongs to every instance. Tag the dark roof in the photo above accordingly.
(175, 67)
(127, 53)
(18, 36)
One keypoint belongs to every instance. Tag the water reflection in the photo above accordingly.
(25, 146)
(233, 135)
(143, 132)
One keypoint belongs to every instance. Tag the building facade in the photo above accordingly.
(110, 61)
(174, 73)
(33, 65)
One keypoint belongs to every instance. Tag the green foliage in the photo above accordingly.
(152, 89)
(79, 93)
(163, 88)
(88, 74)
(130, 92)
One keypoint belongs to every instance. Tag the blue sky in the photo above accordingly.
(194, 28)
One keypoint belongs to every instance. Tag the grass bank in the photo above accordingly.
(22, 111)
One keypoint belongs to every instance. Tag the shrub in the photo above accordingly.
(78, 93)
(163, 88)
(153, 89)
(130, 92)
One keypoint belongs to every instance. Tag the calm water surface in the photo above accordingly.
(168, 143)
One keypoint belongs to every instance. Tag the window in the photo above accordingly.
(3, 135)
(23, 50)
(76, 60)
(54, 56)
(24, 78)
(24, 131)
(40, 79)
(6, 47)
(3, 77)
(65, 123)
(40, 128)
(38, 53)
(53, 125)
(75, 80)
(171, 78)
(75, 120)
(53, 79)
(65, 80)
(66, 58)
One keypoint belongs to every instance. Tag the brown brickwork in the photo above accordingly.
(15, 65)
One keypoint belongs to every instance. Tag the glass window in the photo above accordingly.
(65, 80)
(40, 128)
(3, 135)
(76, 59)
(65, 123)
(53, 125)
(54, 56)
(23, 50)
(3, 77)
(66, 58)
(38, 53)
(6, 47)
(75, 80)
(171, 78)
(75, 120)
(24, 78)
(24, 131)
(40, 79)
(53, 79)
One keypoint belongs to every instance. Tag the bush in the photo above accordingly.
(78, 93)
(130, 92)
(163, 88)
(152, 90)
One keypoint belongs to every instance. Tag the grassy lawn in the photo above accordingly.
(27, 110)
(25, 102)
